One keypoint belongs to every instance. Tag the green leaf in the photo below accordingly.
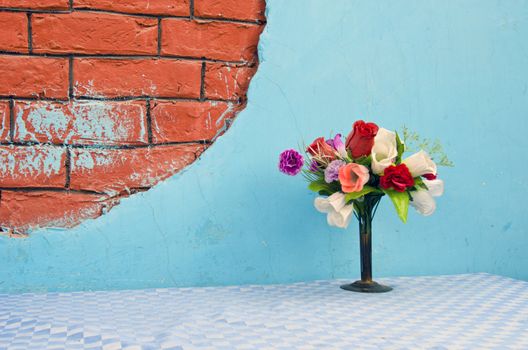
(318, 186)
(321, 186)
(400, 147)
(356, 195)
(419, 184)
(401, 203)
(364, 160)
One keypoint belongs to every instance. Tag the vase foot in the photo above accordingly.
(366, 287)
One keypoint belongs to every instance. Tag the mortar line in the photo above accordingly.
(202, 83)
(67, 165)
(48, 189)
(191, 9)
(149, 122)
(231, 20)
(106, 147)
(21, 98)
(116, 99)
(11, 120)
(134, 98)
(30, 33)
(70, 78)
(21, 9)
(159, 37)
(144, 15)
(131, 57)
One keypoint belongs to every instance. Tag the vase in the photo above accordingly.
(365, 211)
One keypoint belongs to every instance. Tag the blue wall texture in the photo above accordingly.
(457, 70)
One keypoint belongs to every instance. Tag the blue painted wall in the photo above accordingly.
(452, 69)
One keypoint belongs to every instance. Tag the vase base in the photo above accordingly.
(366, 287)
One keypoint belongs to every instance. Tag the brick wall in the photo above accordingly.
(100, 99)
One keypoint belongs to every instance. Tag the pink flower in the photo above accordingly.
(353, 177)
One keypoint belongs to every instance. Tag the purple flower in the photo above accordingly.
(314, 166)
(337, 144)
(291, 162)
(332, 171)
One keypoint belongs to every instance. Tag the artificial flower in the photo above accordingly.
(321, 151)
(435, 187)
(363, 169)
(361, 138)
(331, 173)
(314, 166)
(384, 151)
(339, 146)
(353, 177)
(398, 177)
(290, 162)
(341, 219)
(338, 212)
(420, 164)
(429, 176)
(423, 200)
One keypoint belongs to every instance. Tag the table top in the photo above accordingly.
(474, 311)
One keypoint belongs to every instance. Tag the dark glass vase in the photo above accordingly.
(365, 213)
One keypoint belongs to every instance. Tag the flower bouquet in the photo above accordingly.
(351, 178)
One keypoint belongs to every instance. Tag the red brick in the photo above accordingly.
(14, 32)
(189, 121)
(37, 4)
(94, 33)
(249, 10)
(4, 121)
(33, 76)
(115, 171)
(24, 211)
(32, 166)
(150, 7)
(137, 77)
(86, 122)
(214, 40)
(227, 82)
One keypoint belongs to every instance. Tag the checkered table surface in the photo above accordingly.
(476, 311)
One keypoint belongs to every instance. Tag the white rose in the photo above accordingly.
(423, 200)
(384, 150)
(338, 213)
(420, 164)
(434, 187)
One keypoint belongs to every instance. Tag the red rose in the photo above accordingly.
(321, 150)
(397, 177)
(361, 138)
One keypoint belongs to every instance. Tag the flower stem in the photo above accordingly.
(366, 211)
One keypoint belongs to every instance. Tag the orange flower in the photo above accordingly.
(353, 177)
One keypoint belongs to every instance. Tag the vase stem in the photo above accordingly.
(365, 246)
(365, 212)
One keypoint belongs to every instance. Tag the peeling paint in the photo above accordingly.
(30, 161)
(89, 160)
(90, 121)
(221, 120)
